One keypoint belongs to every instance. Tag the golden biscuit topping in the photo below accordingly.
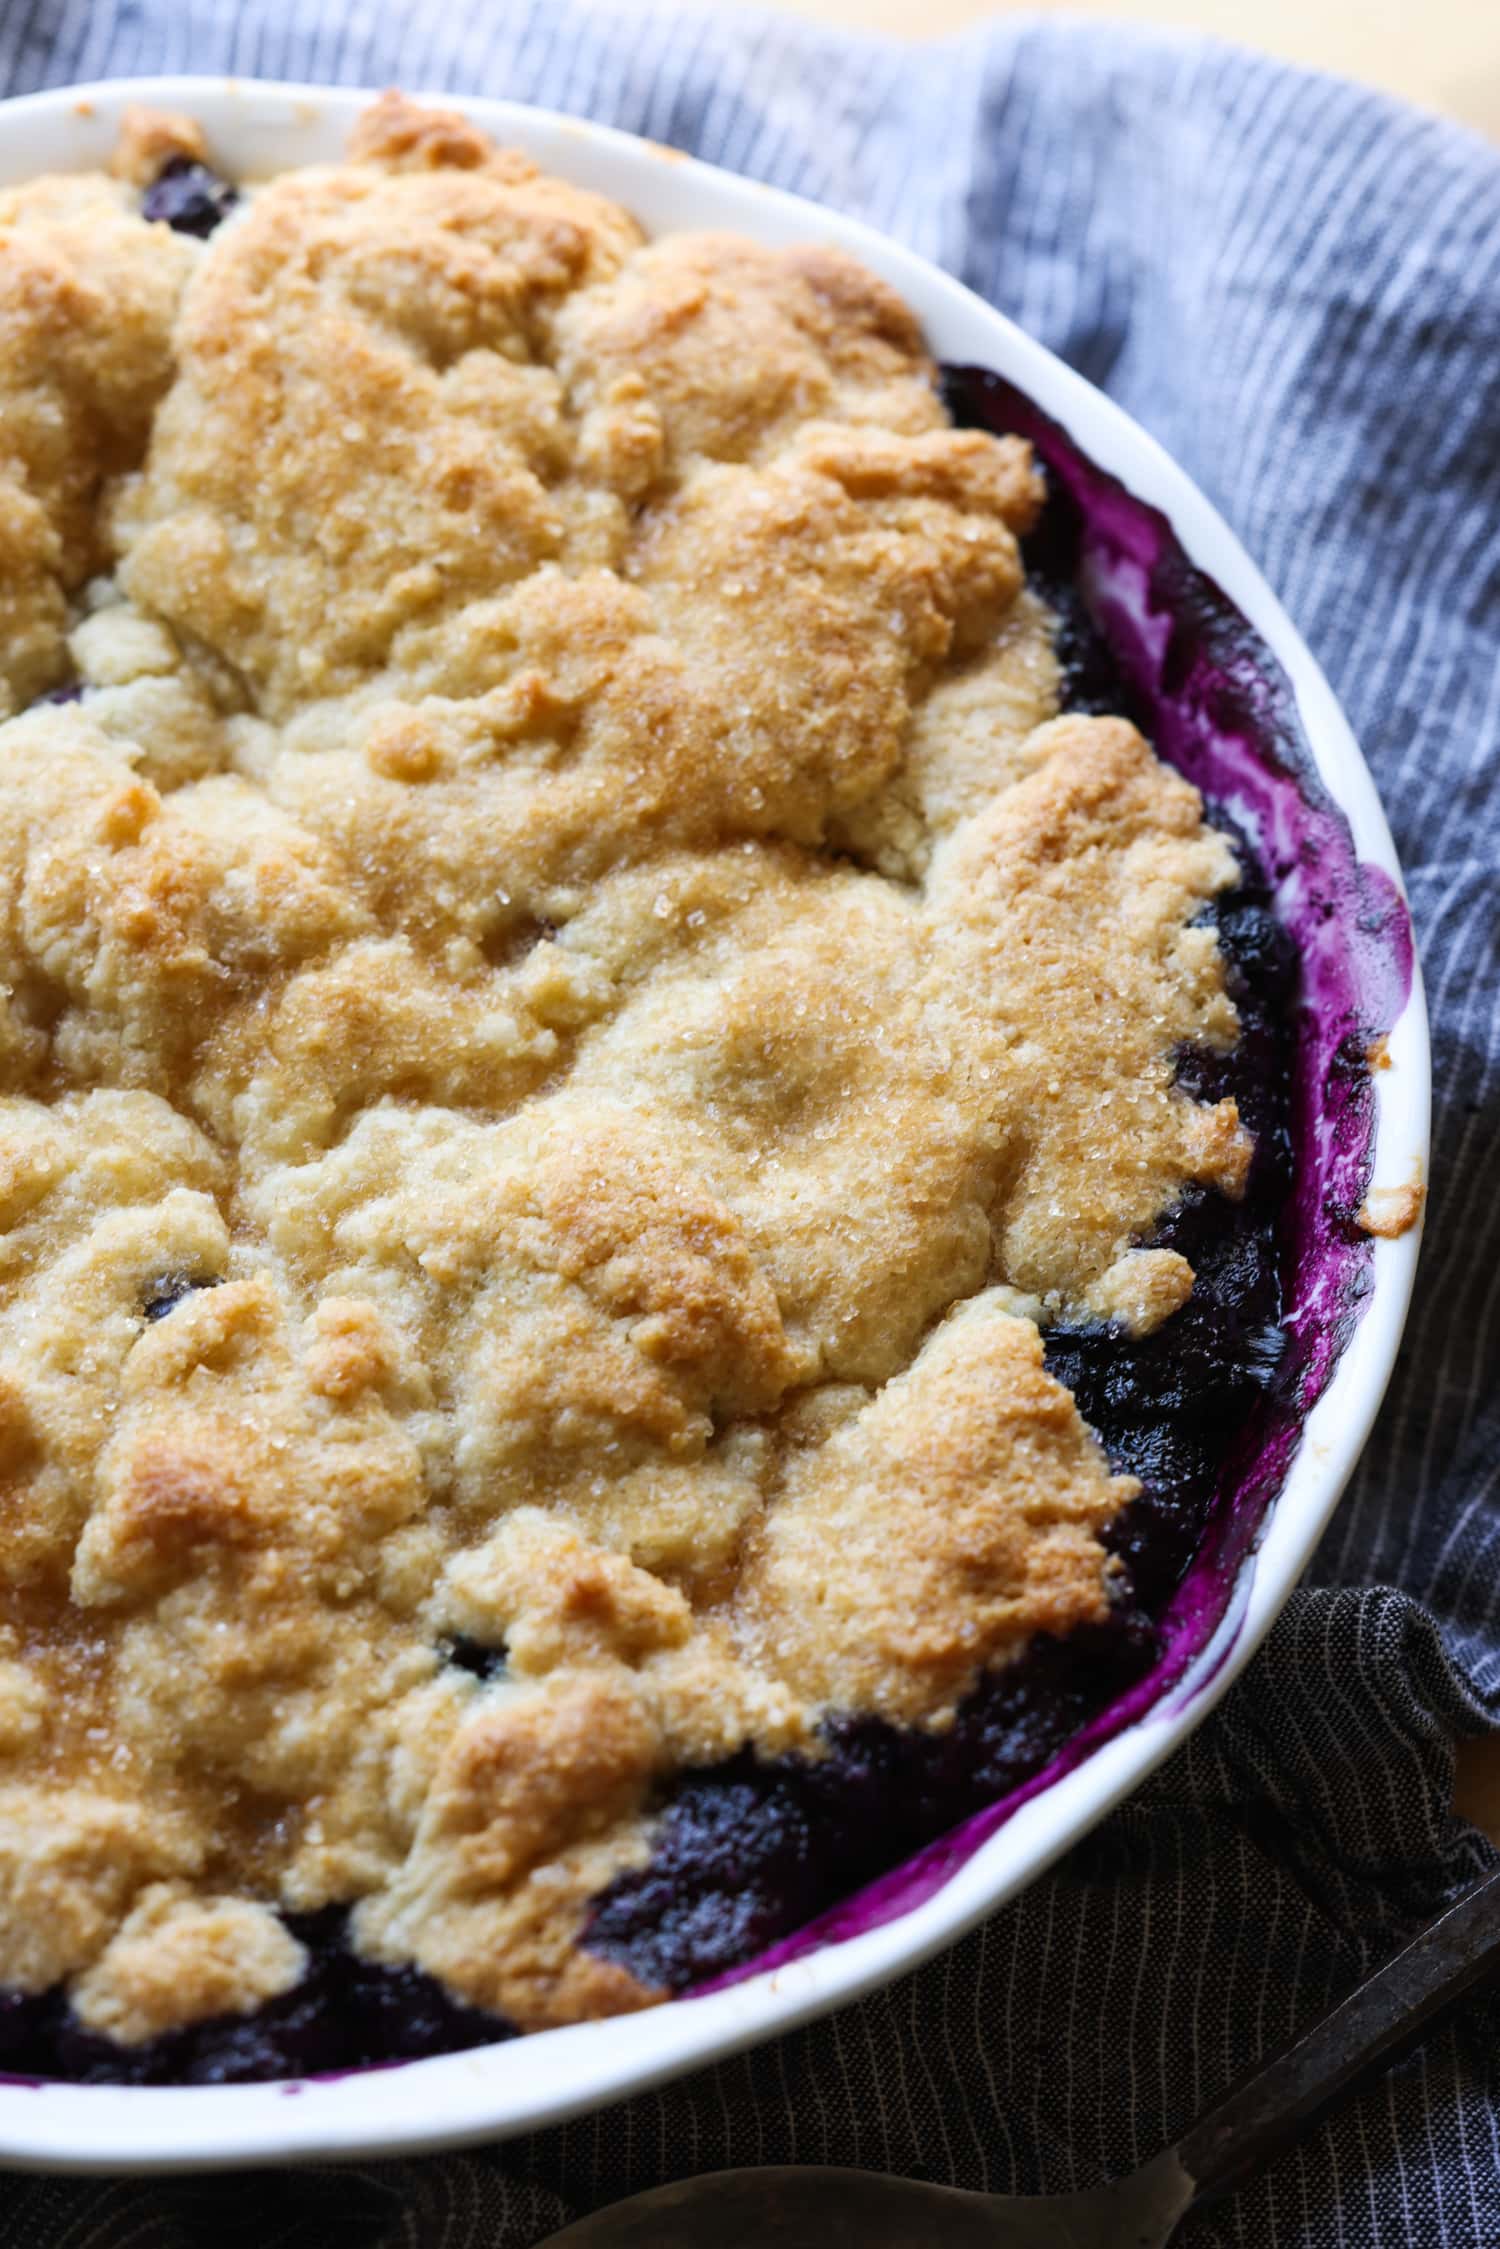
(569, 1003)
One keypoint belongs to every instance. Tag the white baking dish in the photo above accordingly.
(494, 2091)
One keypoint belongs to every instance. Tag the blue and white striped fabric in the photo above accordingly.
(1296, 286)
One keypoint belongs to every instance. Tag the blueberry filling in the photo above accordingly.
(164, 1295)
(1171, 1407)
(188, 197)
(71, 693)
(1091, 679)
(747, 1852)
(346, 2013)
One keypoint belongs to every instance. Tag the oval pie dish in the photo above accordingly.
(1222, 685)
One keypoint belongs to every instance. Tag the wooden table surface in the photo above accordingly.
(1444, 54)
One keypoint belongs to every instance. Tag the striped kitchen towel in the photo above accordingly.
(1296, 286)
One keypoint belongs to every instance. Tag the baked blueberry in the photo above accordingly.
(189, 198)
(171, 1289)
(473, 1656)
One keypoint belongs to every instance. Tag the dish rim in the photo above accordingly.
(519, 2085)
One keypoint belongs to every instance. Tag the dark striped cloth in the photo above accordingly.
(1296, 286)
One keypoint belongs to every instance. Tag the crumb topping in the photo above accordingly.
(177, 1959)
(569, 1005)
(1390, 1212)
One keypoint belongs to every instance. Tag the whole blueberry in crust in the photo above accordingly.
(473, 1655)
(189, 198)
(164, 1295)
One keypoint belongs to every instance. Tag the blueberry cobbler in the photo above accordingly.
(642, 1136)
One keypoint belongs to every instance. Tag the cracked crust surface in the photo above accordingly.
(569, 1005)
